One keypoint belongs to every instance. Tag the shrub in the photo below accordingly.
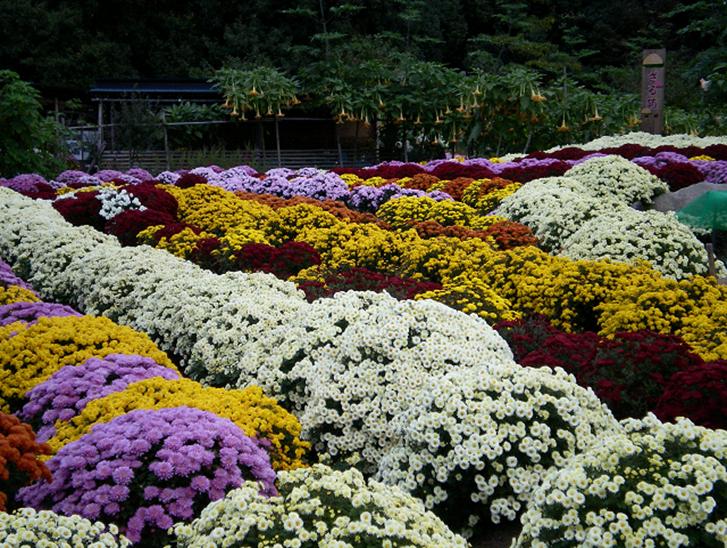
(655, 484)
(318, 506)
(477, 443)
(31, 312)
(19, 460)
(149, 468)
(26, 527)
(29, 142)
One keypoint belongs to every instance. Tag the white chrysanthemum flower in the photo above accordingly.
(616, 178)
(316, 503)
(658, 481)
(651, 140)
(505, 456)
(627, 235)
(553, 208)
(351, 363)
(26, 527)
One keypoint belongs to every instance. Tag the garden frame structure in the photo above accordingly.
(167, 92)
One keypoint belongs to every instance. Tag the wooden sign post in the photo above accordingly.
(652, 90)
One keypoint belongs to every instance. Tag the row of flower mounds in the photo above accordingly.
(585, 215)
(161, 449)
(443, 441)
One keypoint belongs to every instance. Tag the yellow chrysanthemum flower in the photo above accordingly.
(255, 413)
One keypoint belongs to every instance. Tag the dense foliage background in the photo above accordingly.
(550, 71)
(69, 44)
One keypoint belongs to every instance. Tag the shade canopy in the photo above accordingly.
(709, 211)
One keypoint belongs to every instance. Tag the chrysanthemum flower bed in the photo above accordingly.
(368, 374)
(146, 464)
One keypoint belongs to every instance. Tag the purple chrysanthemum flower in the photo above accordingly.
(107, 175)
(168, 177)
(26, 182)
(30, 312)
(139, 174)
(71, 176)
(69, 390)
(8, 277)
(89, 485)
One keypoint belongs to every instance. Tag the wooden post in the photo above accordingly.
(710, 257)
(166, 140)
(112, 125)
(652, 90)
(277, 142)
(338, 145)
(100, 143)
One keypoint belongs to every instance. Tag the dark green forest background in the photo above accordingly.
(69, 44)
(551, 71)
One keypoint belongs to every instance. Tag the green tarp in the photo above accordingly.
(709, 211)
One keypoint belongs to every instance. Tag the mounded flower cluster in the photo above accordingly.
(554, 208)
(632, 372)
(46, 529)
(34, 354)
(254, 413)
(67, 392)
(148, 469)
(695, 309)
(652, 485)
(627, 235)
(351, 363)
(19, 460)
(318, 506)
(586, 215)
(476, 442)
(614, 177)
(31, 312)
(11, 294)
(698, 393)
(403, 212)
